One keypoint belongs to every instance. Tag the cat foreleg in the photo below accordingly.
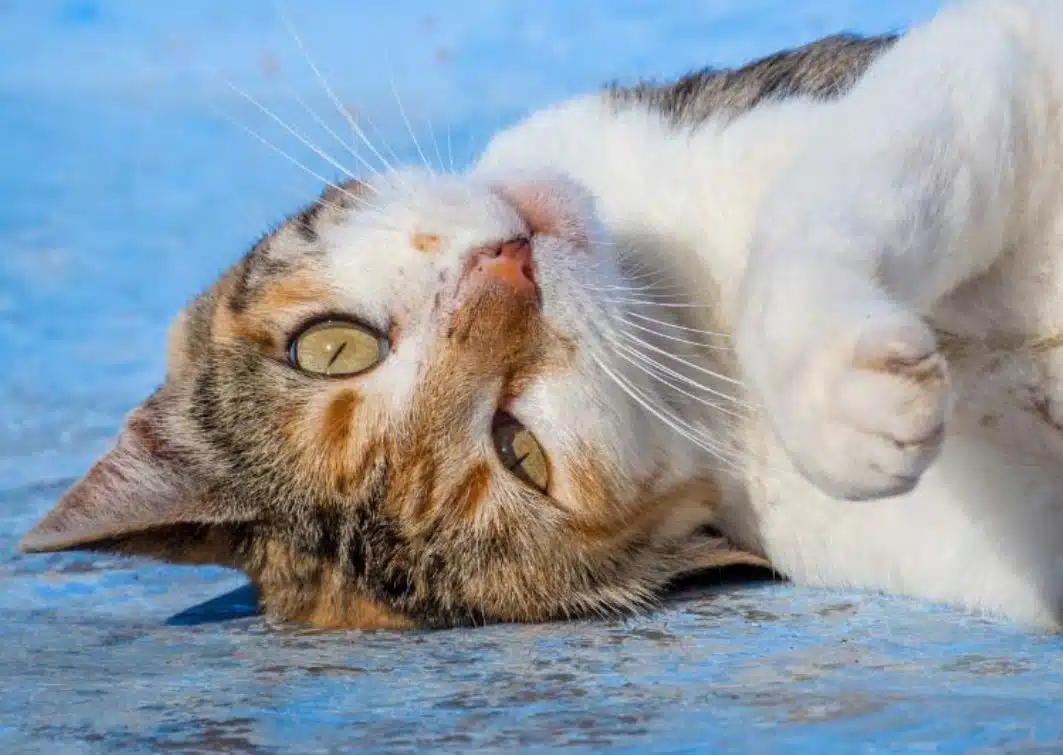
(909, 188)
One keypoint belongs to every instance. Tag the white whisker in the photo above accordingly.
(686, 429)
(677, 425)
(298, 135)
(355, 128)
(628, 289)
(647, 296)
(409, 128)
(325, 203)
(642, 272)
(321, 122)
(435, 144)
(294, 161)
(379, 138)
(685, 362)
(450, 150)
(670, 305)
(667, 324)
(474, 146)
(639, 359)
(702, 344)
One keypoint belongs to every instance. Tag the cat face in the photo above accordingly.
(398, 410)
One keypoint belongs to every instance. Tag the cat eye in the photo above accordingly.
(337, 348)
(519, 451)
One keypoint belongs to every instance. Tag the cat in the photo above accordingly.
(802, 313)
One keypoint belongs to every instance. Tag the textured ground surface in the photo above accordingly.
(123, 190)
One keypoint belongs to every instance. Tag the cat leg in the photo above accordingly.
(911, 186)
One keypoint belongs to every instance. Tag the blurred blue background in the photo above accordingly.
(125, 188)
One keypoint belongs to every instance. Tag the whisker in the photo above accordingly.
(435, 144)
(630, 289)
(658, 298)
(471, 150)
(694, 434)
(709, 346)
(294, 161)
(283, 124)
(450, 150)
(378, 136)
(355, 128)
(409, 128)
(638, 359)
(661, 373)
(321, 122)
(670, 305)
(667, 324)
(325, 203)
(643, 272)
(671, 421)
(685, 362)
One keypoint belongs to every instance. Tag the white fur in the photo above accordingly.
(840, 243)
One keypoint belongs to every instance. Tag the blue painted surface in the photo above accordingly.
(123, 191)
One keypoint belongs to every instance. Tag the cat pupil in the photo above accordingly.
(519, 451)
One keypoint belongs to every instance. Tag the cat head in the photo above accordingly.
(398, 410)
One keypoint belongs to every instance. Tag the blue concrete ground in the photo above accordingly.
(123, 190)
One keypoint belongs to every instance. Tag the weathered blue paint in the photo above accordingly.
(122, 192)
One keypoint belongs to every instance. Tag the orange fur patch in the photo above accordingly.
(258, 337)
(422, 478)
(426, 242)
(336, 608)
(318, 594)
(473, 489)
(337, 430)
(338, 416)
(229, 326)
(290, 293)
(275, 299)
(347, 466)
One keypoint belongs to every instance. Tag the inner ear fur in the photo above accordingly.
(141, 498)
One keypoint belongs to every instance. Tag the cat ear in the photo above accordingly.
(139, 499)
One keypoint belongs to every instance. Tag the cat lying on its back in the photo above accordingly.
(652, 331)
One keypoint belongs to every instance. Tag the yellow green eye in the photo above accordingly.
(337, 348)
(520, 452)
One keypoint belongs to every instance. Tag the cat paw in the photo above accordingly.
(864, 416)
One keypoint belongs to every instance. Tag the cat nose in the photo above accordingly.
(509, 262)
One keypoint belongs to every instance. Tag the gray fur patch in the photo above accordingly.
(822, 69)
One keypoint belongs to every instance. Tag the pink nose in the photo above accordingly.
(509, 262)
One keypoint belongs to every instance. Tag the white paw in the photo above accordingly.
(863, 415)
